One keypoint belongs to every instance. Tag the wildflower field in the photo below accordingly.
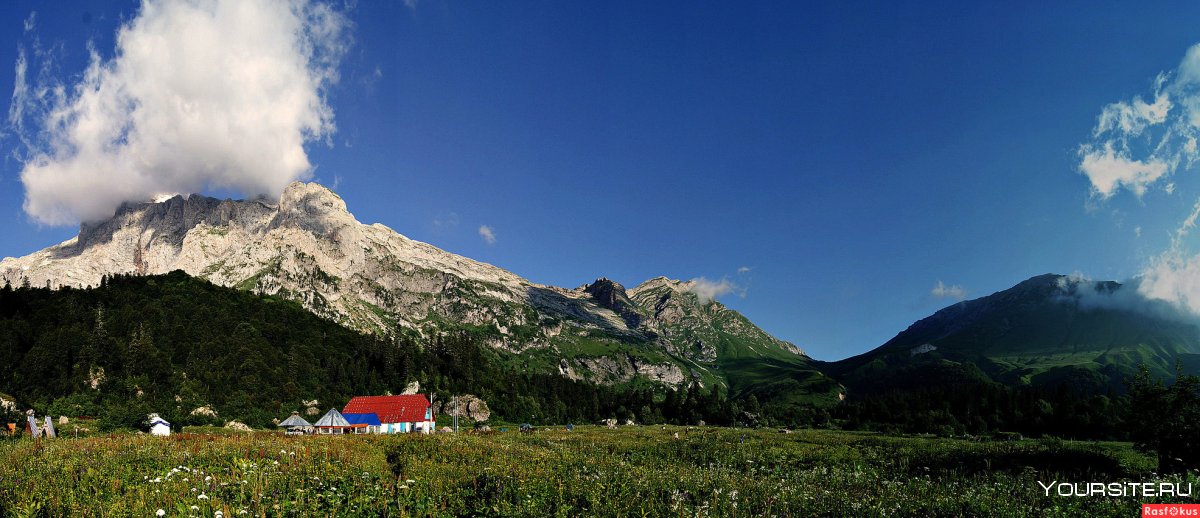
(632, 471)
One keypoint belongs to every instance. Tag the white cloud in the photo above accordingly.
(943, 291)
(1136, 146)
(1133, 117)
(31, 21)
(1174, 278)
(744, 270)
(488, 235)
(1135, 143)
(1109, 170)
(207, 94)
(20, 96)
(708, 291)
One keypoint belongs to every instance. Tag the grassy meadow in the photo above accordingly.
(632, 471)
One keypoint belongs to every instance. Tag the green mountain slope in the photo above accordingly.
(307, 247)
(672, 336)
(199, 353)
(1049, 330)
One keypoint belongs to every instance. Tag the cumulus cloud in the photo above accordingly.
(198, 95)
(1109, 170)
(1131, 118)
(488, 235)
(708, 291)
(943, 291)
(1174, 278)
(1136, 144)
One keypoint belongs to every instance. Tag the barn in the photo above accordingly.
(395, 414)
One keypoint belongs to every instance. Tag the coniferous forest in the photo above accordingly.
(172, 343)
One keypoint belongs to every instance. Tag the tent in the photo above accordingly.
(296, 425)
(34, 430)
(332, 423)
(159, 426)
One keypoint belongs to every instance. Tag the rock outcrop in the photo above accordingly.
(466, 406)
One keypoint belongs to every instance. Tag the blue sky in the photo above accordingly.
(834, 161)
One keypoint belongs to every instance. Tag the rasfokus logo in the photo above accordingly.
(1170, 509)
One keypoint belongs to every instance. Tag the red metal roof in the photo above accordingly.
(390, 409)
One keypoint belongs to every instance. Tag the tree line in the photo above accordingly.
(171, 344)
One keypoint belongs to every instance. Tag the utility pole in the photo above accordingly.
(456, 415)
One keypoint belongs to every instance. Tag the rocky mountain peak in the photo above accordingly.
(658, 283)
(311, 198)
(607, 293)
(611, 294)
(309, 248)
(313, 207)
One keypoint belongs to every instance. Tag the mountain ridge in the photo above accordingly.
(309, 248)
(1045, 330)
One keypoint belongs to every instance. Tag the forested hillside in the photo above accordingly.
(172, 343)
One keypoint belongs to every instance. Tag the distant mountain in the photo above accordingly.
(309, 248)
(1050, 330)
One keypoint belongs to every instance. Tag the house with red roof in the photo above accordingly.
(396, 414)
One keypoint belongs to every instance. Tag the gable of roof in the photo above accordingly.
(408, 408)
(332, 418)
(362, 419)
(295, 420)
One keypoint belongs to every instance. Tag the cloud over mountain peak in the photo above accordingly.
(214, 94)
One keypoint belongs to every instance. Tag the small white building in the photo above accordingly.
(159, 426)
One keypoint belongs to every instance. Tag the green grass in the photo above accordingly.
(591, 471)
